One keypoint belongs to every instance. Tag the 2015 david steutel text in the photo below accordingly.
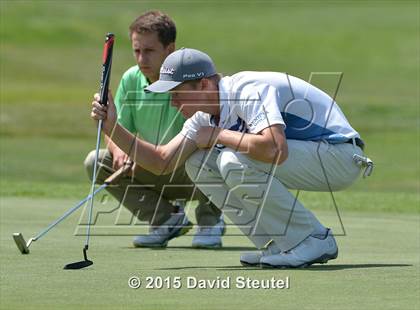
(192, 282)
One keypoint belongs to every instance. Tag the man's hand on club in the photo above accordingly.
(107, 113)
(118, 158)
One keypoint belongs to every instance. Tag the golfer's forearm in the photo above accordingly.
(110, 145)
(146, 155)
(255, 146)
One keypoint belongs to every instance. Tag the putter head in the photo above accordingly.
(82, 263)
(21, 243)
(78, 265)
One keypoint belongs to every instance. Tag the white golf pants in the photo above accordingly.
(255, 196)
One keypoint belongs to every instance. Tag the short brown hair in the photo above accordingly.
(155, 21)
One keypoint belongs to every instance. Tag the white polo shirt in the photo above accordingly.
(253, 101)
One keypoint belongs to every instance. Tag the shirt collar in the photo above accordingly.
(224, 98)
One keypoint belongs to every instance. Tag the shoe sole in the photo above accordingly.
(323, 259)
(211, 246)
(246, 264)
(177, 233)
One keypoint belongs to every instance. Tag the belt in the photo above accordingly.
(359, 142)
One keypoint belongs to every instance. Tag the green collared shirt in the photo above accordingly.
(149, 115)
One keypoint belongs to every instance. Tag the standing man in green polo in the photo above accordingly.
(148, 196)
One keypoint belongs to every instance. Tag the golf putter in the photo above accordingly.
(23, 246)
(105, 77)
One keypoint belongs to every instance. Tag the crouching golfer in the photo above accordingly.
(259, 134)
(153, 37)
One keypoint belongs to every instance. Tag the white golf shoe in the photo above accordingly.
(177, 225)
(310, 251)
(253, 258)
(209, 237)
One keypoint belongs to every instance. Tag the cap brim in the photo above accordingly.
(162, 86)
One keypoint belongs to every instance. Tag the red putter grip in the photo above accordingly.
(109, 42)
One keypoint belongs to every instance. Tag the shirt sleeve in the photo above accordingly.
(122, 106)
(193, 124)
(259, 107)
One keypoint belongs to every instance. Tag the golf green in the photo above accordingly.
(377, 267)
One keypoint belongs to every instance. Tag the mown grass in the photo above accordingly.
(50, 61)
(377, 267)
